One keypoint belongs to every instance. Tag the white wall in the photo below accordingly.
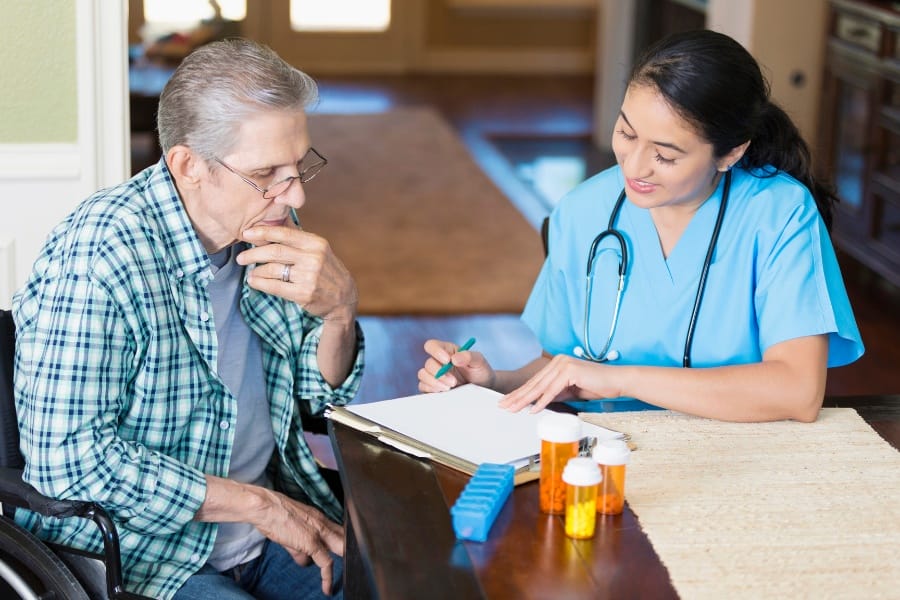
(41, 183)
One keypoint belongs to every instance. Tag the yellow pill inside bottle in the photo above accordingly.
(581, 476)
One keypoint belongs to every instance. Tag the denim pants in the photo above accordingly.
(273, 575)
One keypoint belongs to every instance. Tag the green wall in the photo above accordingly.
(38, 86)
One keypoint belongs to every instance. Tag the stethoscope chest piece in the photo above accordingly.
(612, 355)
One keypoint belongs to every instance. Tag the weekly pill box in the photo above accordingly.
(480, 502)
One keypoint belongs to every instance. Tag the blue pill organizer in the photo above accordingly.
(480, 502)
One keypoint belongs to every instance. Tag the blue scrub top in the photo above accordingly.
(773, 277)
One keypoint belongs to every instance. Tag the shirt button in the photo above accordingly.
(179, 273)
(195, 557)
(204, 316)
(224, 424)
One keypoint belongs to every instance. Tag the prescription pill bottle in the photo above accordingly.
(582, 477)
(560, 434)
(611, 456)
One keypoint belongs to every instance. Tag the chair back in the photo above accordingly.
(10, 456)
(545, 235)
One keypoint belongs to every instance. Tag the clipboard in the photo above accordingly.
(461, 429)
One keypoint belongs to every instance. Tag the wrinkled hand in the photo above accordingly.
(468, 367)
(564, 377)
(317, 280)
(305, 533)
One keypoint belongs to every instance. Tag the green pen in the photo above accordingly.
(443, 370)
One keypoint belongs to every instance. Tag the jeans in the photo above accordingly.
(273, 575)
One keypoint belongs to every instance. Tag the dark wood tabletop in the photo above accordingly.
(400, 541)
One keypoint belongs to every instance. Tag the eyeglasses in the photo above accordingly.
(308, 167)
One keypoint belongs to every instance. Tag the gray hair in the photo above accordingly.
(221, 84)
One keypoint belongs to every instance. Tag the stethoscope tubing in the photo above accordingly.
(701, 285)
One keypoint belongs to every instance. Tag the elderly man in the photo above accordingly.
(176, 332)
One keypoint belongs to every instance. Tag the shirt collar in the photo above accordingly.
(186, 255)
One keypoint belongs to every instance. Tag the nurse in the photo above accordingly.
(732, 304)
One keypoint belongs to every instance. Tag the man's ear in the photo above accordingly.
(733, 156)
(185, 166)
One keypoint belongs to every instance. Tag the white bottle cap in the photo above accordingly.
(559, 427)
(581, 470)
(612, 452)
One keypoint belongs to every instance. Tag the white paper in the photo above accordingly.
(466, 422)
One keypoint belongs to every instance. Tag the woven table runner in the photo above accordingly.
(766, 510)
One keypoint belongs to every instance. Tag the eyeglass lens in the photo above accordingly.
(309, 167)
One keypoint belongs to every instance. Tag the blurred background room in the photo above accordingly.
(452, 127)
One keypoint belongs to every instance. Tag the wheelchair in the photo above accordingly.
(30, 568)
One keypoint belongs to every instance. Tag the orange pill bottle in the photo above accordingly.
(560, 434)
(611, 456)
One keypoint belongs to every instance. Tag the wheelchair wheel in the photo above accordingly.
(29, 569)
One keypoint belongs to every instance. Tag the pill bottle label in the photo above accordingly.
(611, 500)
(581, 511)
(554, 456)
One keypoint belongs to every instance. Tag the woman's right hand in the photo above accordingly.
(468, 367)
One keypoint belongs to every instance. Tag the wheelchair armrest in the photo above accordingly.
(14, 491)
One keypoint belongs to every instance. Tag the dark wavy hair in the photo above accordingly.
(711, 81)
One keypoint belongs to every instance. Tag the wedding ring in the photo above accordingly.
(286, 274)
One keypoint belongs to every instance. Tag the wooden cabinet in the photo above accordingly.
(860, 136)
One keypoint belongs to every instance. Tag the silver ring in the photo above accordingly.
(286, 274)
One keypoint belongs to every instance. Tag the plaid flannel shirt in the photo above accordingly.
(116, 388)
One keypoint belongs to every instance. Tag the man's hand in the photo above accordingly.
(302, 530)
(301, 267)
(305, 533)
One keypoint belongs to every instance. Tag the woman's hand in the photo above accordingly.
(468, 367)
(564, 377)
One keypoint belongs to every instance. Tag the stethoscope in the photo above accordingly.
(606, 354)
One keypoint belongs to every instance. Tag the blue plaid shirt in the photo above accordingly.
(116, 387)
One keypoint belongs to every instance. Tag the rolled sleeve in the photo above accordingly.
(174, 497)
(311, 385)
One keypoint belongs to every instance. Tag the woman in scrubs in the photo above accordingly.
(697, 142)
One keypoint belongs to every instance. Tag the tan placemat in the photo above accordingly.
(421, 227)
(766, 510)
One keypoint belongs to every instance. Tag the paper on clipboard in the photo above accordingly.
(462, 428)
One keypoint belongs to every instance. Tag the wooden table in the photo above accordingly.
(400, 541)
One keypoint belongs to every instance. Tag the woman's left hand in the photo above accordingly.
(300, 266)
(564, 377)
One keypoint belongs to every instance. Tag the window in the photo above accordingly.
(186, 12)
(340, 15)
(162, 17)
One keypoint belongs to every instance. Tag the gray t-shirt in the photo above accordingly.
(240, 368)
